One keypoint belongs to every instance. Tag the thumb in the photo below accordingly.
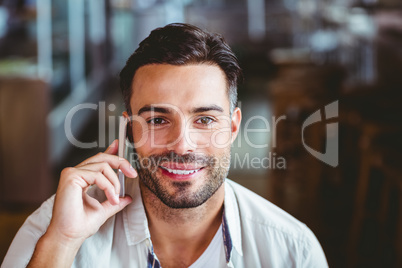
(110, 209)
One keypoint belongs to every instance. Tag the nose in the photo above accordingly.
(179, 141)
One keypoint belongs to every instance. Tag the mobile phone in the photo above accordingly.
(122, 152)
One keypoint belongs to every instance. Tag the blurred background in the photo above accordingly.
(60, 102)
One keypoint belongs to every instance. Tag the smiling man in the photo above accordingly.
(179, 89)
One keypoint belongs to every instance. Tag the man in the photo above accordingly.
(179, 89)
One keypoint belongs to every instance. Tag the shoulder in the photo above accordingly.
(24, 242)
(268, 227)
(258, 210)
(41, 217)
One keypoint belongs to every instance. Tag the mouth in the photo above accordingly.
(180, 174)
(181, 171)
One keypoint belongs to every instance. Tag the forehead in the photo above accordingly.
(185, 86)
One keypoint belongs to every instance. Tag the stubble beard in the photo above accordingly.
(184, 197)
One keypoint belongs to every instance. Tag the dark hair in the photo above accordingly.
(182, 44)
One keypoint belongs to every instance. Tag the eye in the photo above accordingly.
(205, 120)
(156, 121)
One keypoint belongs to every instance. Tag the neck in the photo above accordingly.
(185, 232)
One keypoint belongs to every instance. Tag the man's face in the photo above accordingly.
(182, 131)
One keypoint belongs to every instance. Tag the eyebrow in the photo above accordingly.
(149, 108)
(207, 108)
(163, 110)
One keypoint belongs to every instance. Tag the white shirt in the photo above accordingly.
(255, 232)
(214, 253)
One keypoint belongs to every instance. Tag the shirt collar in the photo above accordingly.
(231, 219)
(134, 217)
(136, 223)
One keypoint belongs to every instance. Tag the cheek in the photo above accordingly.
(222, 137)
(209, 140)
(219, 136)
(140, 135)
(222, 140)
(148, 141)
(199, 138)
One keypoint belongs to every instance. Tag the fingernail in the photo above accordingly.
(111, 146)
(132, 169)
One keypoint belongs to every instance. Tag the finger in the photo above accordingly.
(84, 178)
(114, 161)
(111, 209)
(107, 171)
(113, 148)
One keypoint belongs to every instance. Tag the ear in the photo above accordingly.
(129, 129)
(236, 120)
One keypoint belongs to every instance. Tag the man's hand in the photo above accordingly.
(76, 215)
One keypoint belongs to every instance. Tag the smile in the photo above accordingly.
(181, 171)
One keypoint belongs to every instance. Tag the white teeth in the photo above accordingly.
(180, 171)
